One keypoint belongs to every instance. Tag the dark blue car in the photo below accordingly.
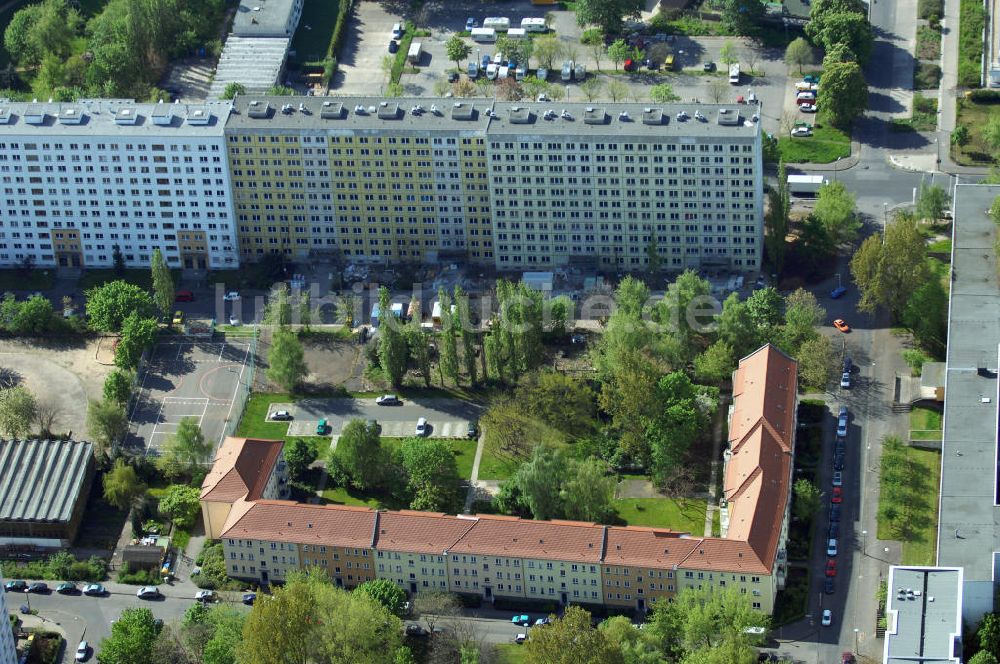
(838, 292)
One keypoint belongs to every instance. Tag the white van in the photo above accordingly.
(534, 24)
(491, 73)
(497, 22)
(484, 35)
(517, 33)
(397, 30)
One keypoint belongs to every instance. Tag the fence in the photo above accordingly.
(245, 386)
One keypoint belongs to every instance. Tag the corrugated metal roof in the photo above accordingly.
(41, 479)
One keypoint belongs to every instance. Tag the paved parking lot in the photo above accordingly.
(448, 418)
(359, 70)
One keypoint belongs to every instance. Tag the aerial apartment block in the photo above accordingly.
(511, 185)
(501, 557)
(80, 179)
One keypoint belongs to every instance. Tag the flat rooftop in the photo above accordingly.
(967, 526)
(255, 62)
(263, 18)
(111, 117)
(484, 115)
(924, 607)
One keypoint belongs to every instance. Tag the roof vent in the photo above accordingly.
(198, 116)
(162, 115)
(289, 524)
(34, 115)
(729, 116)
(309, 525)
(332, 110)
(5, 117)
(71, 116)
(618, 546)
(434, 109)
(541, 541)
(126, 116)
(259, 109)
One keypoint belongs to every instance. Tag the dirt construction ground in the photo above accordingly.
(61, 374)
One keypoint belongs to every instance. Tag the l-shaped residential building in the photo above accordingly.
(500, 557)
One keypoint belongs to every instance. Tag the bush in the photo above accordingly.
(972, 20)
(60, 566)
(984, 96)
(343, 10)
(927, 76)
(141, 577)
(930, 8)
(213, 569)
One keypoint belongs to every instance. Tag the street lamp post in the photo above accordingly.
(885, 219)
(838, 279)
(864, 541)
(856, 630)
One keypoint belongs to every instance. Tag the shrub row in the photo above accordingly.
(984, 96)
(972, 20)
(339, 29)
(59, 567)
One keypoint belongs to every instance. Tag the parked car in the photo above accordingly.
(831, 547)
(523, 619)
(838, 292)
(249, 598)
(806, 96)
(94, 590)
(148, 592)
(205, 595)
(184, 296)
(808, 108)
(811, 78)
(838, 461)
(82, 652)
(388, 400)
(520, 638)
(805, 86)
(397, 30)
(178, 318)
(842, 418)
(801, 132)
(708, 66)
(452, 76)
(838, 478)
(828, 586)
(415, 630)
(827, 618)
(321, 428)
(847, 658)
(831, 568)
(231, 296)
(393, 45)
(281, 415)
(548, 621)
(471, 23)
(67, 588)
(16, 586)
(842, 325)
(37, 587)
(837, 496)
(848, 364)
(834, 513)
(834, 531)
(542, 74)
(630, 64)
(473, 430)
(845, 380)
(421, 429)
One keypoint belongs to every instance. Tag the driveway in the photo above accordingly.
(365, 45)
(448, 418)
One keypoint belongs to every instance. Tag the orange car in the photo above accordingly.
(841, 325)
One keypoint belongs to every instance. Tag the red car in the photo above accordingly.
(831, 567)
(629, 64)
(184, 296)
(838, 495)
(841, 325)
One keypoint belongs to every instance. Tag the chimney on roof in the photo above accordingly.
(289, 524)
(701, 551)
(740, 554)
(309, 525)
(541, 541)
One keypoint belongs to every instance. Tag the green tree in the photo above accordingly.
(110, 304)
(457, 50)
(983, 657)
(716, 363)
(462, 322)
(122, 486)
(137, 335)
(609, 15)
(776, 221)
(932, 201)
(799, 53)
(559, 400)
(286, 360)
(663, 93)
(570, 639)
(742, 17)
(766, 310)
(185, 451)
(449, 345)
(118, 260)
(518, 50)
(548, 49)
(433, 474)
(701, 618)
(673, 428)
(926, 315)
(131, 640)
(385, 593)
(278, 310)
(619, 51)
(728, 53)
(392, 350)
(887, 273)
(181, 504)
(835, 209)
(736, 329)
(299, 455)
(618, 90)
(221, 647)
(588, 491)
(232, 90)
(359, 451)
(803, 314)
(682, 310)
(961, 136)
(107, 423)
(118, 386)
(844, 93)
(18, 409)
(816, 362)
(19, 37)
(591, 88)
(988, 633)
(281, 91)
(808, 499)
(991, 131)
(163, 283)
(33, 317)
(539, 481)
(850, 29)
(417, 346)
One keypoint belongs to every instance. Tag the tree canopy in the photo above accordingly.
(609, 15)
(131, 640)
(110, 304)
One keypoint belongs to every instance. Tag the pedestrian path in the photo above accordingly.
(474, 488)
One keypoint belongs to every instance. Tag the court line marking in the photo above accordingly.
(239, 382)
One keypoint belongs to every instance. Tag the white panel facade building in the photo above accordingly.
(8, 646)
(79, 179)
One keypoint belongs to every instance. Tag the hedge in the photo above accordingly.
(984, 96)
(343, 16)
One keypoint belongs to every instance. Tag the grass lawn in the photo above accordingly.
(683, 514)
(464, 451)
(36, 279)
(315, 29)
(928, 43)
(253, 423)
(976, 152)
(923, 118)
(236, 330)
(510, 653)
(492, 467)
(925, 418)
(920, 546)
(940, 247)
(716, 523)
(827, 144)
(971, 21)
(345, 496)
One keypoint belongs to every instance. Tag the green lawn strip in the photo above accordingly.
(464, 451)
(716, 524)
(826, 145)
(315, 29)
(236, 330)
(922, 548)
(925, 418)
(36, 279)
(510, 653)
(928, 43)
(404, 48)
(254, 424)
(492, 467)
(940, 247)
(925, 435)
(976, 152)
(347, 496)
(681, 514)
(971, 21)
